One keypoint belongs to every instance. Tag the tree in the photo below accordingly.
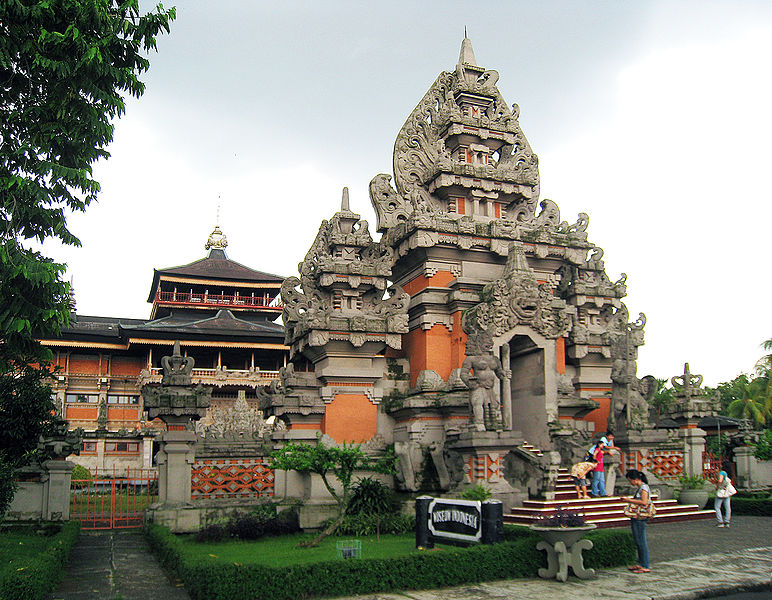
(331, 461)
(752, 404)
(65, 66)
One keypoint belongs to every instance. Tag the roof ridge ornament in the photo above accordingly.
(217, 240)
(466, 56)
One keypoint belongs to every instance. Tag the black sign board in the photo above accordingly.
(459, 520)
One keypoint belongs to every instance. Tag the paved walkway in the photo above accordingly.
(689, 560)
(115, 565)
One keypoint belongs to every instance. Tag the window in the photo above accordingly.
(89, 448)
(83, 398)
(121, 447)
(111, 399)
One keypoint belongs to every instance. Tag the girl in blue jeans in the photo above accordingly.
(641, 497)
(722, 499)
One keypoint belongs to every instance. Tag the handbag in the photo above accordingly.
(731, 490)
(638, 511)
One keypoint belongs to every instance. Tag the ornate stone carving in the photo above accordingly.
(176, 401)
(177, 369)
(691, 403)
(518, 299)
(390, 208)
(479, 373)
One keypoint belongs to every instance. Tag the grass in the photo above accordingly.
(283, 551)
(18, 546)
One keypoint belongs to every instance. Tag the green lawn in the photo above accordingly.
(18, 547)
(283, 551)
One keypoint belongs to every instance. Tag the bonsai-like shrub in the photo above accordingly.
(478, 492)
(372, 497)
(692, 482)
(562, 518)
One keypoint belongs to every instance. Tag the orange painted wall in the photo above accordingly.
(429, 350)
(84, 365)
(457, 342)
(560, 352)
(439, 279)
(126, 366)
(122, 414)
(350, 418)
(599, 416)
(81, 412)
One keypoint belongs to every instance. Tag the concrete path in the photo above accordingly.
(115, 565)
(689, 560)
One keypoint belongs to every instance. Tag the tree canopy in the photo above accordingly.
(65, 68)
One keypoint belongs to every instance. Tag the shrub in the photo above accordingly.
(220, 580)
(81, 473)
(261, 521)
(759, 507)
(692, 482)
(762, 450)
(369, 524)
(42, 574)
(370, 496)
(478, 492)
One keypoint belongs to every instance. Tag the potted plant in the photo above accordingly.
(565, 526)
(562, 533)
(693, 490)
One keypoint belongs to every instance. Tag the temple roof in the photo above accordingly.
(223, 323)
(216, 265)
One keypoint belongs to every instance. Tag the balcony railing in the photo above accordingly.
(217, 377)
(238, 300)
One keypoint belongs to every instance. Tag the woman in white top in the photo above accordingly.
(723, 499)
(642, 497)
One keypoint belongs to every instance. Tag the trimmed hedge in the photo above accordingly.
(516, 557)
(758, 507)
(43, 572)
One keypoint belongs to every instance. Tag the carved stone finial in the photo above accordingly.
(344, 203)
(177, 369)
(467, 52)
(216, 240)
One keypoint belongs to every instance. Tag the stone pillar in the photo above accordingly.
(56, 500)
(745, 461)
(611, 463)
(175, 460)
(694, 445)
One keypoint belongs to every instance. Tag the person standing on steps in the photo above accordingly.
(724, 491)
(598, 487)
(642, 497)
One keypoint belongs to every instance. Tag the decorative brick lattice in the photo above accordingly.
(485, 468)
(665, 464)
(231, 478)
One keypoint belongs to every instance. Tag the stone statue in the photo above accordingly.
(178, 369)
(479, 373)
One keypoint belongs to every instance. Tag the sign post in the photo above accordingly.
(458, 521)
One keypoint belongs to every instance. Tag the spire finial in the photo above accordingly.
(344, 205)
(217, 239)
(466, 37)
(467, 53)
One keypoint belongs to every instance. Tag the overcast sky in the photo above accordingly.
(652, 117)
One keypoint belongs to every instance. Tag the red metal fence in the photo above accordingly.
(666, 464)
(110, 501)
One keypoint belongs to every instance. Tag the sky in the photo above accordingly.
(652, 117)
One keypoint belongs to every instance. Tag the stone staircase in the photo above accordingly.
(604, 512)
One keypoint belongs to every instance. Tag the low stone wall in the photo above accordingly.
(45, 495)
(752, 474)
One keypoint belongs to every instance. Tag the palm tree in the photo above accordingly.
(764, 372)
(753, 404)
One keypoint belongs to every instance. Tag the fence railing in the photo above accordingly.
(237, 300)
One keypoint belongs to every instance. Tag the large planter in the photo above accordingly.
(564, 546)
(698, 497)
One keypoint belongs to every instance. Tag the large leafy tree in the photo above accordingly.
(65, 69)
(336, 467)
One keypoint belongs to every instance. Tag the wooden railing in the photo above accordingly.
(237, 300)
(220, 377)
